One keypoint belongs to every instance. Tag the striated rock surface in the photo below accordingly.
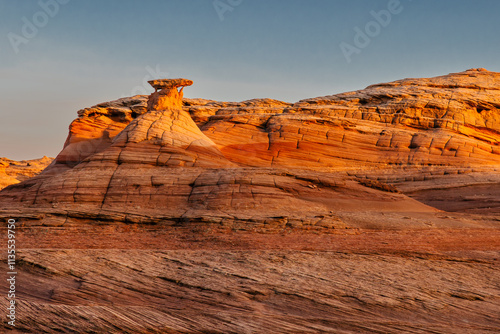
(369, 211)
(450, 120)
(95, 127)
(258, 157)
(273, 291)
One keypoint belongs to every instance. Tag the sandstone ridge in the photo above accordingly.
(374, 211)
(450, 120)
(252, 160)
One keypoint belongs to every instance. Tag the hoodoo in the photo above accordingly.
(166, 94)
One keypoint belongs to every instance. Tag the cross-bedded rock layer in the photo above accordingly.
(449, 120)
(264, 216)
(262, 156)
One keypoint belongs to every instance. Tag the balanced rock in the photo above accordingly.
(170, 83)
(450, 120)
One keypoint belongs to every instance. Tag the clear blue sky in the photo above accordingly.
(90, 51)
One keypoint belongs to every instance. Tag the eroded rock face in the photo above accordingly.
(166, 94)
(444, 121)
(95, 128)
(449, 120)
(165, 214)
(257, 158)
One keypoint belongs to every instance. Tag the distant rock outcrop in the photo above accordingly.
(12, 172)
(190, 157)
(451, 120)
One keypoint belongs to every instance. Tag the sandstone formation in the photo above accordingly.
(197, 157)
(450, 120)
(95, 127)
(270, 291)
(167, 84)
(12, 172)
(370, 211)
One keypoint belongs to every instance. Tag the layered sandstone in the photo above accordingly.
(368, 211)
(12, 172)
(258, 157)
(449, 120)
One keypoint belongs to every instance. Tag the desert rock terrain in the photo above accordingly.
(12, 172)
(369, 211)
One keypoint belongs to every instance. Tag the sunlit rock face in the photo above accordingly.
(12, 172)
(449, 120)
(178, 156)
(369, 211)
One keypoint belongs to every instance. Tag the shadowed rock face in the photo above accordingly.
(262, 216)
